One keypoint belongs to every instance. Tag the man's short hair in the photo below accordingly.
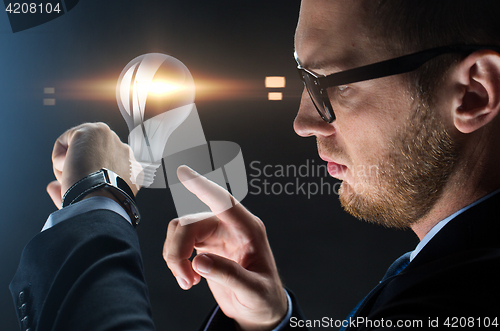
(408, 26)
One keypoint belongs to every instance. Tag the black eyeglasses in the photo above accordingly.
(316, 84)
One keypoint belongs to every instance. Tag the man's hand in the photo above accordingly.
(233, 254)
(83, 150)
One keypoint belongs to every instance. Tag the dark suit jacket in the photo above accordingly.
(84, 273)
(455, 276)
(455, 279)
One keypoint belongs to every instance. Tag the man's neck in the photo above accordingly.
(455, 196)
(440, 211)
(476, 175)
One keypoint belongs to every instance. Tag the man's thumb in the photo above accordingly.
(54, 191)
(222, 271)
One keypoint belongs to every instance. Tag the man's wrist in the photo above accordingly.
(280, 324)
(288, 314)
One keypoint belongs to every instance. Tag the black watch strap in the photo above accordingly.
(104, 178)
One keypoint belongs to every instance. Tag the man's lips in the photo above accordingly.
(335, 169)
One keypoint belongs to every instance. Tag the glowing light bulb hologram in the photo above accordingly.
(155, 94)
(153, 74)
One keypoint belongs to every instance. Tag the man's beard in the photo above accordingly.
(410, 178)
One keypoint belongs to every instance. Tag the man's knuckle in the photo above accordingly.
(172, 225)
(260, 225)
(79, 135)
(101, 130)
(167, 257)
(170, 258)
(102, 126)
(174, 263)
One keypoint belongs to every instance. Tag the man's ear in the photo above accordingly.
(479, 94)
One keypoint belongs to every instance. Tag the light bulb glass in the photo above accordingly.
(155, 94)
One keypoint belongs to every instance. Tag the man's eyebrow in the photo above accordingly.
(322, 65)
(317, 65)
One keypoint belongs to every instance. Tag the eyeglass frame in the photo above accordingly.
(395, 66)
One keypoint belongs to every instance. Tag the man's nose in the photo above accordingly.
(308, 122)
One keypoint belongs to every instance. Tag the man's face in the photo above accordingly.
(391, 151)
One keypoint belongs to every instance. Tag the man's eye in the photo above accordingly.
(342, 87)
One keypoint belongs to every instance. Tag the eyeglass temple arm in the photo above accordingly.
(399, 65)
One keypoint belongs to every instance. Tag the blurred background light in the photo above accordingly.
(275, 81)
(275, 96)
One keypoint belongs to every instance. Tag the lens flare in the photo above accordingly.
(159, 87)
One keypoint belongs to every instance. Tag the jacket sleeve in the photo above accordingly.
(85, 273)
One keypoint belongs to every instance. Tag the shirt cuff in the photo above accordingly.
(84, 206)
(284, 322)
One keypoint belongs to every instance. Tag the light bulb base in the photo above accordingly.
(143, 173)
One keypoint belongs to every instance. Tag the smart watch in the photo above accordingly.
(104, 178)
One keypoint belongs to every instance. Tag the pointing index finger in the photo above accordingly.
(214, 196)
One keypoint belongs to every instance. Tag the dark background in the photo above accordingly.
(329, 259)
